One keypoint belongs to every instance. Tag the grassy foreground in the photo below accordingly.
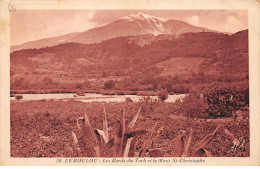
(43, 128)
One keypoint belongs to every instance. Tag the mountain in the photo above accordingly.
(135, 24)
(44, 42)
(133, 61)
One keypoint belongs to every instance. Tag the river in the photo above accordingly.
(92, 97)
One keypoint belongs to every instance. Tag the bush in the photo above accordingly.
(216, 100)
(109, 84)
(222, 99)
(18, 97)
(128, 100)
(194, 106)
(163, 95)
(78, 86)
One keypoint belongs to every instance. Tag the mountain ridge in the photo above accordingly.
(134, 24)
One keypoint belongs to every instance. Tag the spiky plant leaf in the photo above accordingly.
(105, 128)
(87, 134)
(202, 152)
(88, 128)
(101, 134)
(207, 139)
(78, 125)
(117, 139)
(75, 142)
(98, 151)
(122, 134)
(147, 142)
(101, 141)
(130, 126)
(179, 144)
(111, 142)
(132, 123)
(127, 147)
(131, 150)
(187, 141)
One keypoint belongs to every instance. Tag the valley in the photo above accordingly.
(191, 58)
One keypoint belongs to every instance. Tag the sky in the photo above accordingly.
(29, 25)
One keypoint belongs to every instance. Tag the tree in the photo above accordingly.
(163, 95)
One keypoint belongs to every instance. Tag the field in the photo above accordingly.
(43, 128)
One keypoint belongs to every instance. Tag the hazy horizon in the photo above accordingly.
(30, 25)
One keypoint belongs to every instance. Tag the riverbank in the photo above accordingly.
(43, 128)
(93, 97)
(104, 92)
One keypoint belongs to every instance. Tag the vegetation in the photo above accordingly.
(211, 68)
(122, 145)
(163, 95)
(215, 100)
(18, 97)
(167, 63)
(44, 129)
(109, 84)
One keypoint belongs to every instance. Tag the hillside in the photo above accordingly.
(133, 62)
(44, 42)
(136, 24)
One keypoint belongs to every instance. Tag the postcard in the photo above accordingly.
(146, 82)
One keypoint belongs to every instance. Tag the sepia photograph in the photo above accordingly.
(129, 83)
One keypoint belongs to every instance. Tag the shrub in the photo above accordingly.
(222, 99)
(78, 86)
(128, 99)
(163, 95)
(109, 84)
(194, 106)
(18, 97)
(216, 100)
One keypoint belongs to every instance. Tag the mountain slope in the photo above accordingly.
(44, 42)
(132, 57)
(135, 24)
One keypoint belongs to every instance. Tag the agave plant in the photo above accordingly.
(183, 140)
(97, 141)
(122, 144)
(236, 143)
